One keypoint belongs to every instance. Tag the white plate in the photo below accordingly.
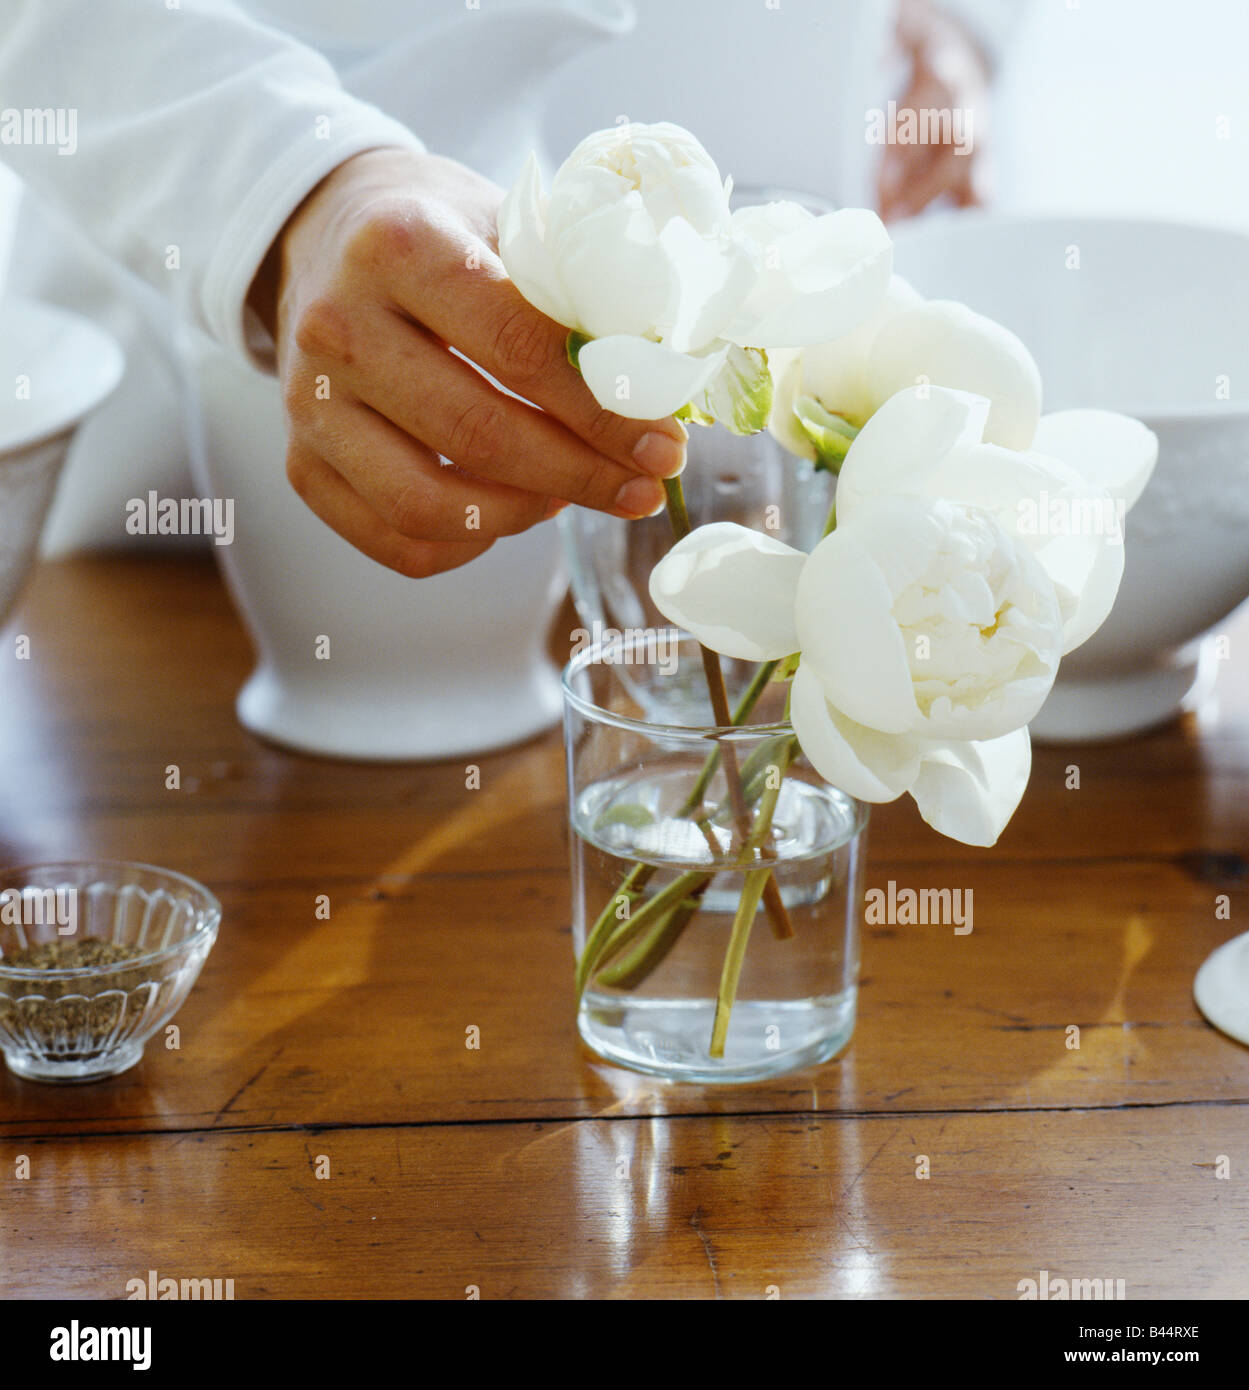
(70, 363)
(1221, 988)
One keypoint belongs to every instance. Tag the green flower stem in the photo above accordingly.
(750, 696)
(771, 795)
(747, 907)
(704, 825)
(745, 706)
(678, 512)
(630, 888)
(629, 928)
(640, 875)
(663, 935)
(778, 913)
(756, 767)
(679, 518)
(752, 891)
(665, 926)
(649, 953)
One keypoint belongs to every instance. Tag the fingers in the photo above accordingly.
(519, 457)
(347, 513)
(455, 285)
(912, 175)
(410, 487)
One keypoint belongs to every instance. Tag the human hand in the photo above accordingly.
(386, 267)
(948, 73)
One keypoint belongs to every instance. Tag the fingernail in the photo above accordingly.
(660, 454)
(554, 507)
(641, 497)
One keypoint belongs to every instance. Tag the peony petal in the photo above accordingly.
(1110, 451)
(758, 230)
(819, 278)
(712, 279)
(1073, 529)
(616, 274)
(1086, 571)
(836, 373)
(1020, 490)
(830, 435)
(786, 367)
(733, 588)
(898, 572)
(700, 198)
(900, 447)
(577, 192)
(1015, 487)
(765, 223)
(845, 614)
(822, 252)
(665, 164)
(833, 373)
(643, 380)
(524, 252)
(945, 343)
(813, 318)
(740, 394)
(969, 791)
(861, 761)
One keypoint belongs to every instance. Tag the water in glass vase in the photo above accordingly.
(651, 1002)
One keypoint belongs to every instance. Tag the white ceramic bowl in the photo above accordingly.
(1152, 319)
(55, 368)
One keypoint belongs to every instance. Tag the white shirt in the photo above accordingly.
(197, 132)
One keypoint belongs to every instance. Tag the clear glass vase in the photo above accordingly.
(663, 854)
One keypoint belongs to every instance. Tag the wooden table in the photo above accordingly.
(526, 1168)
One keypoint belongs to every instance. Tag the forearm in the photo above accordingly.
(195, 133)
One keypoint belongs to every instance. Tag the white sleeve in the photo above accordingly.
(180, 139)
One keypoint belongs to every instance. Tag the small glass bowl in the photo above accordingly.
(132, 939)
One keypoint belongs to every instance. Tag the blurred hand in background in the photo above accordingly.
(949, 72)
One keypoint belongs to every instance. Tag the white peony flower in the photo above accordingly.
(930, 622)
(635, 249)
(927, 442)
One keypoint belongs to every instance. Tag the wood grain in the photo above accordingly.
(733, 1206)
(449, 908)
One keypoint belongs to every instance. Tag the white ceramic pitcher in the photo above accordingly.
(354, 660)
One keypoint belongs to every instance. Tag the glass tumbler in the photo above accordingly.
(715, 877)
